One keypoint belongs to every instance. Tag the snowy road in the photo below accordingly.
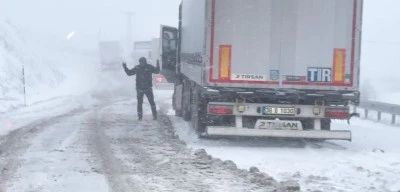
(102, 147)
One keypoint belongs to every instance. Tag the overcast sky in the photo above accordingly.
(381, 20)
(381, 23)
(88, 17)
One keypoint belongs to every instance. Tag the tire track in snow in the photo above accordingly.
(16, 142)
(108, 164)
(147, 156)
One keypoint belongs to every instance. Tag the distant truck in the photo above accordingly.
(151, 50)
(142, 49)
(110, 53)
(266, 68)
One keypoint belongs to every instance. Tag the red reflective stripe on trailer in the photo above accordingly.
(315, 83)
(246, 82)
(353, 42)
(210, 78)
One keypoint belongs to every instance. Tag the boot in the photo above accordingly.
(154, 111)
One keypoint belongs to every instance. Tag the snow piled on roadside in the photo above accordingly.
(41, 111)
(369, 163)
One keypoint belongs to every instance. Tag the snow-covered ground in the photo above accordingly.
(57, 144)
(15, 119)
(370, 163)
(56, 160)
(102, 147)
(95, 143)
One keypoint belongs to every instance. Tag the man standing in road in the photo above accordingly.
(144, 84)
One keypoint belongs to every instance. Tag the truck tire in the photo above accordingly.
(186, 103)
(199, 113)
(178, 109)
(178, 112)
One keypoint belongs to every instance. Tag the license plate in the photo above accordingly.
(279, 111)
(279, 125)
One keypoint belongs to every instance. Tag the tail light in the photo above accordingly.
(337, 113)
(220, 109)
(158, 79)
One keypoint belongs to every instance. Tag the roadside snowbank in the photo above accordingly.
(42, 111)
(369, 163)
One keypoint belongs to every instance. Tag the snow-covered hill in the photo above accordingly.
(12, 58)
(50, 71)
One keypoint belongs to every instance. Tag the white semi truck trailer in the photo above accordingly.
(267, 68)
(110, 53)
(148, 49)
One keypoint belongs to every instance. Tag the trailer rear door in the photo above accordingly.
(307, 44)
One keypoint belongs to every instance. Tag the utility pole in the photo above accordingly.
(129, 39)
(23, 81)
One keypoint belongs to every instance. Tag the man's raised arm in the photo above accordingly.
(129, 72)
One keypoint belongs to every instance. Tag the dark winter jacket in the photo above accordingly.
(143, 72)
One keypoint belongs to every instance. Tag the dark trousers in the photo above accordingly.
(150, 96)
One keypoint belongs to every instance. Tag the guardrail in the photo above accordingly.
(380, 108)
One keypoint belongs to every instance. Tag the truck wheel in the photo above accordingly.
(186, 115)
(326, 124)
(186, 104)
(178, 112)
(198, 115)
